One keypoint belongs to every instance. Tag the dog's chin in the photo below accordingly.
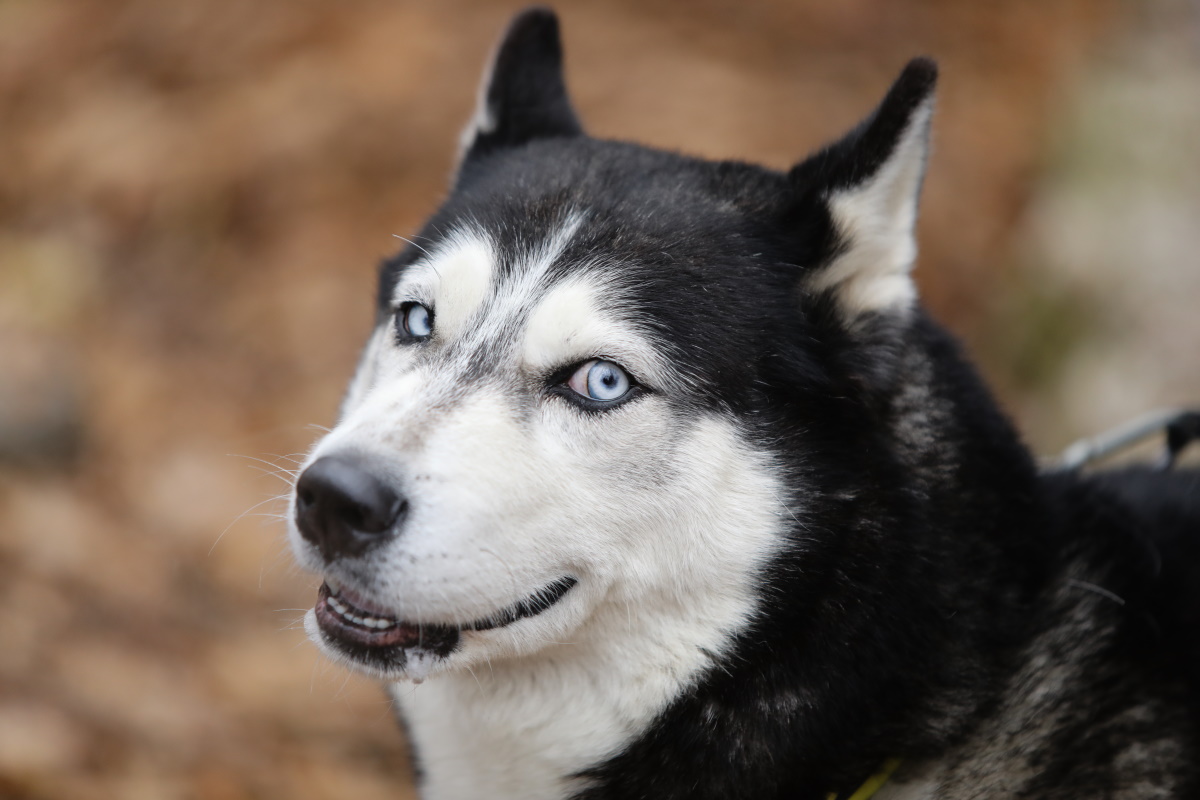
(364, 636)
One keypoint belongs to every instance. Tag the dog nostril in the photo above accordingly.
(343, 507)
(371, 518)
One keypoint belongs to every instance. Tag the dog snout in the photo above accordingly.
(343, 507)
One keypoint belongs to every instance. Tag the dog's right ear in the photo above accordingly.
(869, 183)
(523, 96)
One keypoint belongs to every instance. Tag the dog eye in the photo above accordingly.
(600, 380)
(414, 321)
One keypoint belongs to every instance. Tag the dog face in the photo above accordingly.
(556, 455)
(564, 429)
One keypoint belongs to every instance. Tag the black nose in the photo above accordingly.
(343, 507)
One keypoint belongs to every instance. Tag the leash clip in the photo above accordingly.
(1181, 427)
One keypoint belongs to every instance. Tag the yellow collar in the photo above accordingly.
(873, 784)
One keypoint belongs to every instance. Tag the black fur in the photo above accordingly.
(1165, 507)
(525, 96)
(933, 563)
(861, 153)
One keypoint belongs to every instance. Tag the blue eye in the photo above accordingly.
(600, 380)
(414, 321)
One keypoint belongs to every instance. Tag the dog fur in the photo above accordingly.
(804, 540)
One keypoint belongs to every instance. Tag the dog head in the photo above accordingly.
(566, 425)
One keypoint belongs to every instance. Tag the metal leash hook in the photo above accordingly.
(1181, 426)
(1182, 431)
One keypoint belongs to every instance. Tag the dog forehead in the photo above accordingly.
(657, 213)
(587, 249)
(552, 310)
(549, 303)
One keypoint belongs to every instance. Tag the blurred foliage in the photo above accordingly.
(1031, 336)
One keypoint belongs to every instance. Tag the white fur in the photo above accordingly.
(454, 280)
(664, 518)
(516, 727)
(569, 326)
(878, 220)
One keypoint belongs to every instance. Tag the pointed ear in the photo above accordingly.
(870, 182)
(523, 95)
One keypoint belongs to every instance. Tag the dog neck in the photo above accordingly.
(527, 727)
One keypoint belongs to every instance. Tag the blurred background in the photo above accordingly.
(193, 199)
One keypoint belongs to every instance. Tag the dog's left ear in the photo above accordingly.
(523, 95)
(870, 182)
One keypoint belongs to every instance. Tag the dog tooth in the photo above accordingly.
(343, 610)
(334, 584)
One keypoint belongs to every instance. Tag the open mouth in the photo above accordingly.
(369, 633)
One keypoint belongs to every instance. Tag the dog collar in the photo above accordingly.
(872, 784)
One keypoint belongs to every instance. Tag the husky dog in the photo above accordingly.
(658, 481)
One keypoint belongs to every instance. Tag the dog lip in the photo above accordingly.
(529, 607)
(339, 626)
(335, 606)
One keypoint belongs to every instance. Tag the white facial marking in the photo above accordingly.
(878, 220)
(676, 567)
(571, 324)
(453, 281)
